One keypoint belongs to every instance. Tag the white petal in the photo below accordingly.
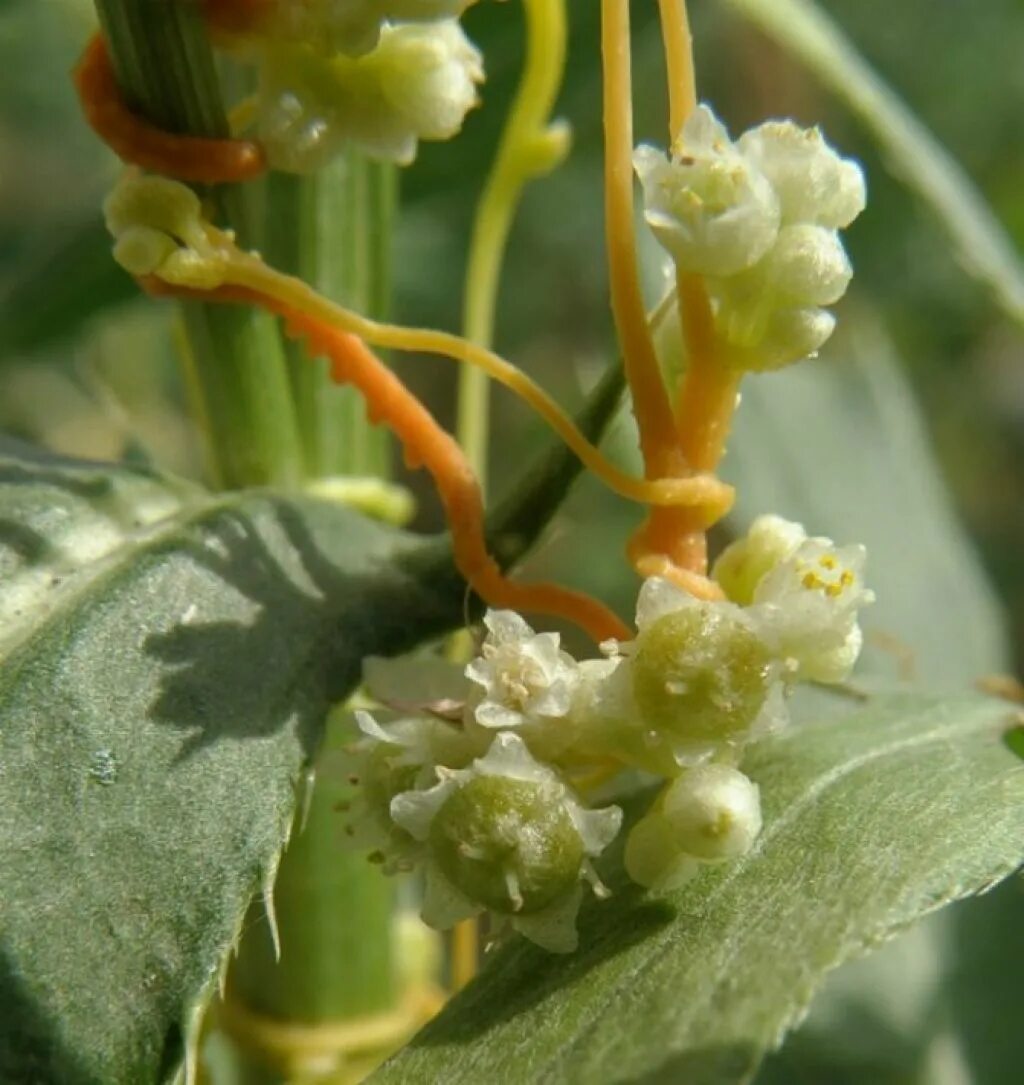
(506, 626)
(415, 810)
(657, 598)
(553, 928)
(443, 904)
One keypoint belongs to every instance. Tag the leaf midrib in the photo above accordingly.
(79, 582)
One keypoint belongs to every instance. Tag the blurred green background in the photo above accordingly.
(919, 396)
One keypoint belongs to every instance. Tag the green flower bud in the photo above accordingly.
(653, 858)
(158, 229)
(508, 844)
(701, 673)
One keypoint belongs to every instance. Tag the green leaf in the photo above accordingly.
(913, 152)
(167, 662)
(850, 458)
(869, 825)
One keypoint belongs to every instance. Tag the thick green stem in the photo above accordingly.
(333, 230)
(333, 913)
(333, 909)
(239, 377)
(272, 416)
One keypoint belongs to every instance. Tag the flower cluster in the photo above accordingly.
(759, 219)
(377, 74)
(488, 789)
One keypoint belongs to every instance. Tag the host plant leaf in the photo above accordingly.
(870, 823)
(167, 658)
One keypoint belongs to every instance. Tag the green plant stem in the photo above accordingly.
(273, 417)
(333, 230)
(333, 909)
(333, 914)
(239, 376)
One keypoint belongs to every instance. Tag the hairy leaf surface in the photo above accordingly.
(870, 824)
(167, 659)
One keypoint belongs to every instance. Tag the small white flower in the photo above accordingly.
(812, 182)
(353, 27)
(523, 674)
(506, 835)
(713, 211)
(391, 758)
(419, 82)
(807, 608)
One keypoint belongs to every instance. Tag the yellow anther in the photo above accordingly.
(847, 578)
(827, 561)
(832, 590)
(812, 581)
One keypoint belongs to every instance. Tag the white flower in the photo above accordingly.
(391, 758)
(419, 82)
(523, 674)
(713, 211)
(708, 814)
(812, 182)
(354, 26)
(807, 607)
(743, 564)
(506, 835)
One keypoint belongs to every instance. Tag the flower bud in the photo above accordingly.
(156, 203)
(141, 250)
(806, 266)
(742, 564)
(714, 812)
(652, 857)
(158, 229)
(812, 182)
(711, 210)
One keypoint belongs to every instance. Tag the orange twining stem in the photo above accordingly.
(136, 141)
(236, 16)
(426, 445)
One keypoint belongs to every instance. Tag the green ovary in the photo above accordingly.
(700, 674)
(496, 837)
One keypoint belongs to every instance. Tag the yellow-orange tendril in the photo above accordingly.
(426, 445)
